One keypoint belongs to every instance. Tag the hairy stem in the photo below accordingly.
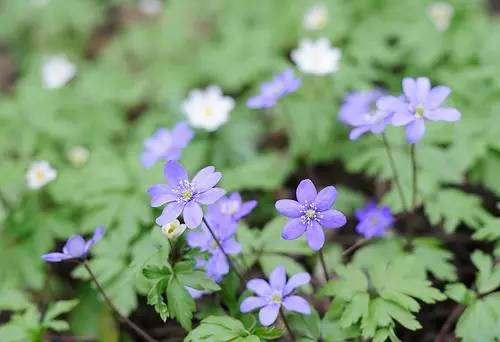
(355, 246)
(394, 171)
(323, 264)
(108, 301)
(231, 263)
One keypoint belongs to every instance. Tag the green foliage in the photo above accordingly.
(226, 328)
(375, 298)
(30, 324)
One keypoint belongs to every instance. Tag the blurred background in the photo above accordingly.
(84, 82)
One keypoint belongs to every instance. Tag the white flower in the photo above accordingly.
(316, 18)
(207, 109)
(39, 174)
(441, 14)
(173, 229)
(78, 155)
(316, 57)
(149, 7)
(57, 71)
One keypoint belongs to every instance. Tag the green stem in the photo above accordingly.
(108, 301)
(323, 264)
(394, 171)
(286, 324)
(231, 264)
(414, 176)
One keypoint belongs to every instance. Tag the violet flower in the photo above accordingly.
(358, 111)
(224, 229)
(166, 145)
(374, 221)
(278, 292)
(309, 213)
(184, 196)
(418, 103)
(76, 247)
(233, 206)
(272, 91)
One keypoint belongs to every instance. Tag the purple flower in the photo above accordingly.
(418, 103)
(194, 293)
(232, 206)
(358, 111)
(165, 144)
(76, 247)
(183, 196)
(373, 220)
(224, 229)
(272, 91)
(309, 213)
(278, 292)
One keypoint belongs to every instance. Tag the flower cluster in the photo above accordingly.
(419, 103)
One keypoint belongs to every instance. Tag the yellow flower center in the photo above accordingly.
(208, 111)
(310, 213)
(187, 194)
(276, 298)
(419, 111)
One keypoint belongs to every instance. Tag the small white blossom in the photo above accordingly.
(57, 70)
(149, 7)
(315, 18)
(78, 156)
(317, 57)
(39, 174)
(207, 109)
(173, 229)
(441, 14)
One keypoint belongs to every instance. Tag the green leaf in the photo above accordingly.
(479, 322)
(155, 298)
(180, 303)
(357, 308)
(488, 277)
(490, 232)
(218, 328)
(268, 333)
(198, 280)
(156, 272)
(460, 294)
(57, 309)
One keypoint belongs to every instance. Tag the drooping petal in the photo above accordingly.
(260, 287)
(160, 194)
(199, 239)
(295, 281)
(174, 172)
(293, 229)
(415, 131)
(423, 89)
(297, 304)
(98, 235)
(170, 213)
(288, 208)
(410, 89)
(206, 178)
(252, 303)
(75, 246)
(357, 132)
(245, 209)
(192, 214)
(306, 191)
(268, 314)
(325, 198)
(277, 278)
(436, 96)
(55, 257)
(332, 219)
(443, 114)
(315, 236)
(210, 196)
